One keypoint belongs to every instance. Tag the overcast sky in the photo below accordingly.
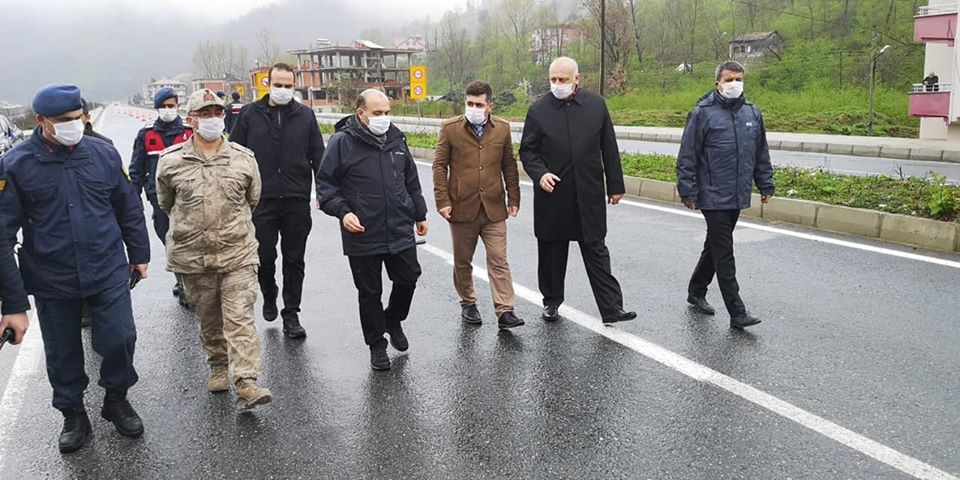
(110, 47)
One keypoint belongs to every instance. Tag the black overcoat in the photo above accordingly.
(574, 140)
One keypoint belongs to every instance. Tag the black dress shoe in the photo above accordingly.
(378, 358)
(398, 339)
(183, 301)
(292, 328)
(76, 431)
(270, 312)
(701, 305)
(471, 315)
(550, 313)
(508, 320)
(619, 316)
(743, 320)
(178, 289)
(118, 411)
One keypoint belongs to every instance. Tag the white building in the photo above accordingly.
(150, 89)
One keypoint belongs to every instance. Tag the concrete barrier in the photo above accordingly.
(839, 149)
(657, 190)
(632, 185)
(854, 221)
(788, 210)
(920, 232)
(927, 154)
(756, 207)
(814, 147)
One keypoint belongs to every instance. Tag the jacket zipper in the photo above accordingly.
(736, 137)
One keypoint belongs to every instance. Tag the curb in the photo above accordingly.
(774, 139)
(901, 229)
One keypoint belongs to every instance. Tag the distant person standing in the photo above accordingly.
(723, 153)
(932, 82)
(286, 139)
(233, 111)
(570, 151)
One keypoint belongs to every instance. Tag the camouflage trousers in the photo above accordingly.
(224, 304)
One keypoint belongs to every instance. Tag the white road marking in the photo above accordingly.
(701, 373)
(25, 368)
(790, 233)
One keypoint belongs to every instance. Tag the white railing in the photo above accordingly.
(936, 10)
(935, 88)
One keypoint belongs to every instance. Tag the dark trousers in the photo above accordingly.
(552, 272)
(289, 219)
(161, 222)
(114, 337)
(717, 259)
(403, 269)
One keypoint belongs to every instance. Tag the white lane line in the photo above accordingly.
(25, 368)
(701, 373)
(790, 233)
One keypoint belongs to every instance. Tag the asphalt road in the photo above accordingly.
(853, 373)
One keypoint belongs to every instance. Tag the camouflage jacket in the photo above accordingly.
(210, 202)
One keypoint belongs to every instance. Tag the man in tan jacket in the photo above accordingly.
(473, 162)
(209, 187)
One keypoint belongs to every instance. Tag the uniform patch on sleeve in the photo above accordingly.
(126, 173)
(3, 184)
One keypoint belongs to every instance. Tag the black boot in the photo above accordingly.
(178, 289)
(270, 311)
(700, 304)
(378, 357)
(76, 430)
(743, 320)
(619, 316)
(118, 411)
(398, 339)
(508, 320)
(471, 315)
(292, 328)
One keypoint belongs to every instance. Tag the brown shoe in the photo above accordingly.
(249, 394)
(218, 380)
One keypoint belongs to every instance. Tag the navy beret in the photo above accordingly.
(162, 95)
(56, 99)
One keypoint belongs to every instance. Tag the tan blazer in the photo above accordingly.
(468, 171)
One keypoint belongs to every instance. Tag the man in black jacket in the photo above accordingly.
(368, 179)
(13, 298)
(570, 150)
(286, 140)
(722, 154)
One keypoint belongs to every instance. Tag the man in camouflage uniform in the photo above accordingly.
(209, 187)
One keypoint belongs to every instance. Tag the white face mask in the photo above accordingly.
(168, 114)
(281, 96)
(210, 128)
(476, 115)
(379, 125)
(732, 90)
(561, 90)
(68, 133)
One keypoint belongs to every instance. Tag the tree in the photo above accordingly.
(517, 20)
(453, 50)
(636, 7)
(268, 50)
(220, 60)
(617, 38)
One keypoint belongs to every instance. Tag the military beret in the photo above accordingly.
(162, 95)
(56, 99)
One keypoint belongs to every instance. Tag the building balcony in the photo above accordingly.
(930, 101)
(935, 24)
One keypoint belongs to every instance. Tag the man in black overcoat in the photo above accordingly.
(570, 151)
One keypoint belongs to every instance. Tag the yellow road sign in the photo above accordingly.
(418, 82)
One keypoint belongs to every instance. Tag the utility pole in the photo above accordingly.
(603, 43)
(873, 75)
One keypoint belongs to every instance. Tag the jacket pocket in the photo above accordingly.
(234, 188)
(371, 210)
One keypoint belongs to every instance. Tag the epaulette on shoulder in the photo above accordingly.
(172, 148)
(241, 149)
(499, 120)
(450, 121)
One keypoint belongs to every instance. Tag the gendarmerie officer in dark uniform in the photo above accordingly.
(84, 236)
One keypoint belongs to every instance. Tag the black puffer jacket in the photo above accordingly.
(722, 154)
(378, 183)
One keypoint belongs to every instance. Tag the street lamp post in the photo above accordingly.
(873, 76)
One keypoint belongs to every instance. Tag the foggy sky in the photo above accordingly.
(111, 47)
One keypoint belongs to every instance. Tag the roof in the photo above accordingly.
(755, 37)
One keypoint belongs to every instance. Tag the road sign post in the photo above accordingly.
(418, 82)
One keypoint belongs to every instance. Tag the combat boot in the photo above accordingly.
(218, 380)
(249, 394)
(118, 411)
(76, 430)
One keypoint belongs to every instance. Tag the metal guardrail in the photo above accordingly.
(929, 10)
(936, 88)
